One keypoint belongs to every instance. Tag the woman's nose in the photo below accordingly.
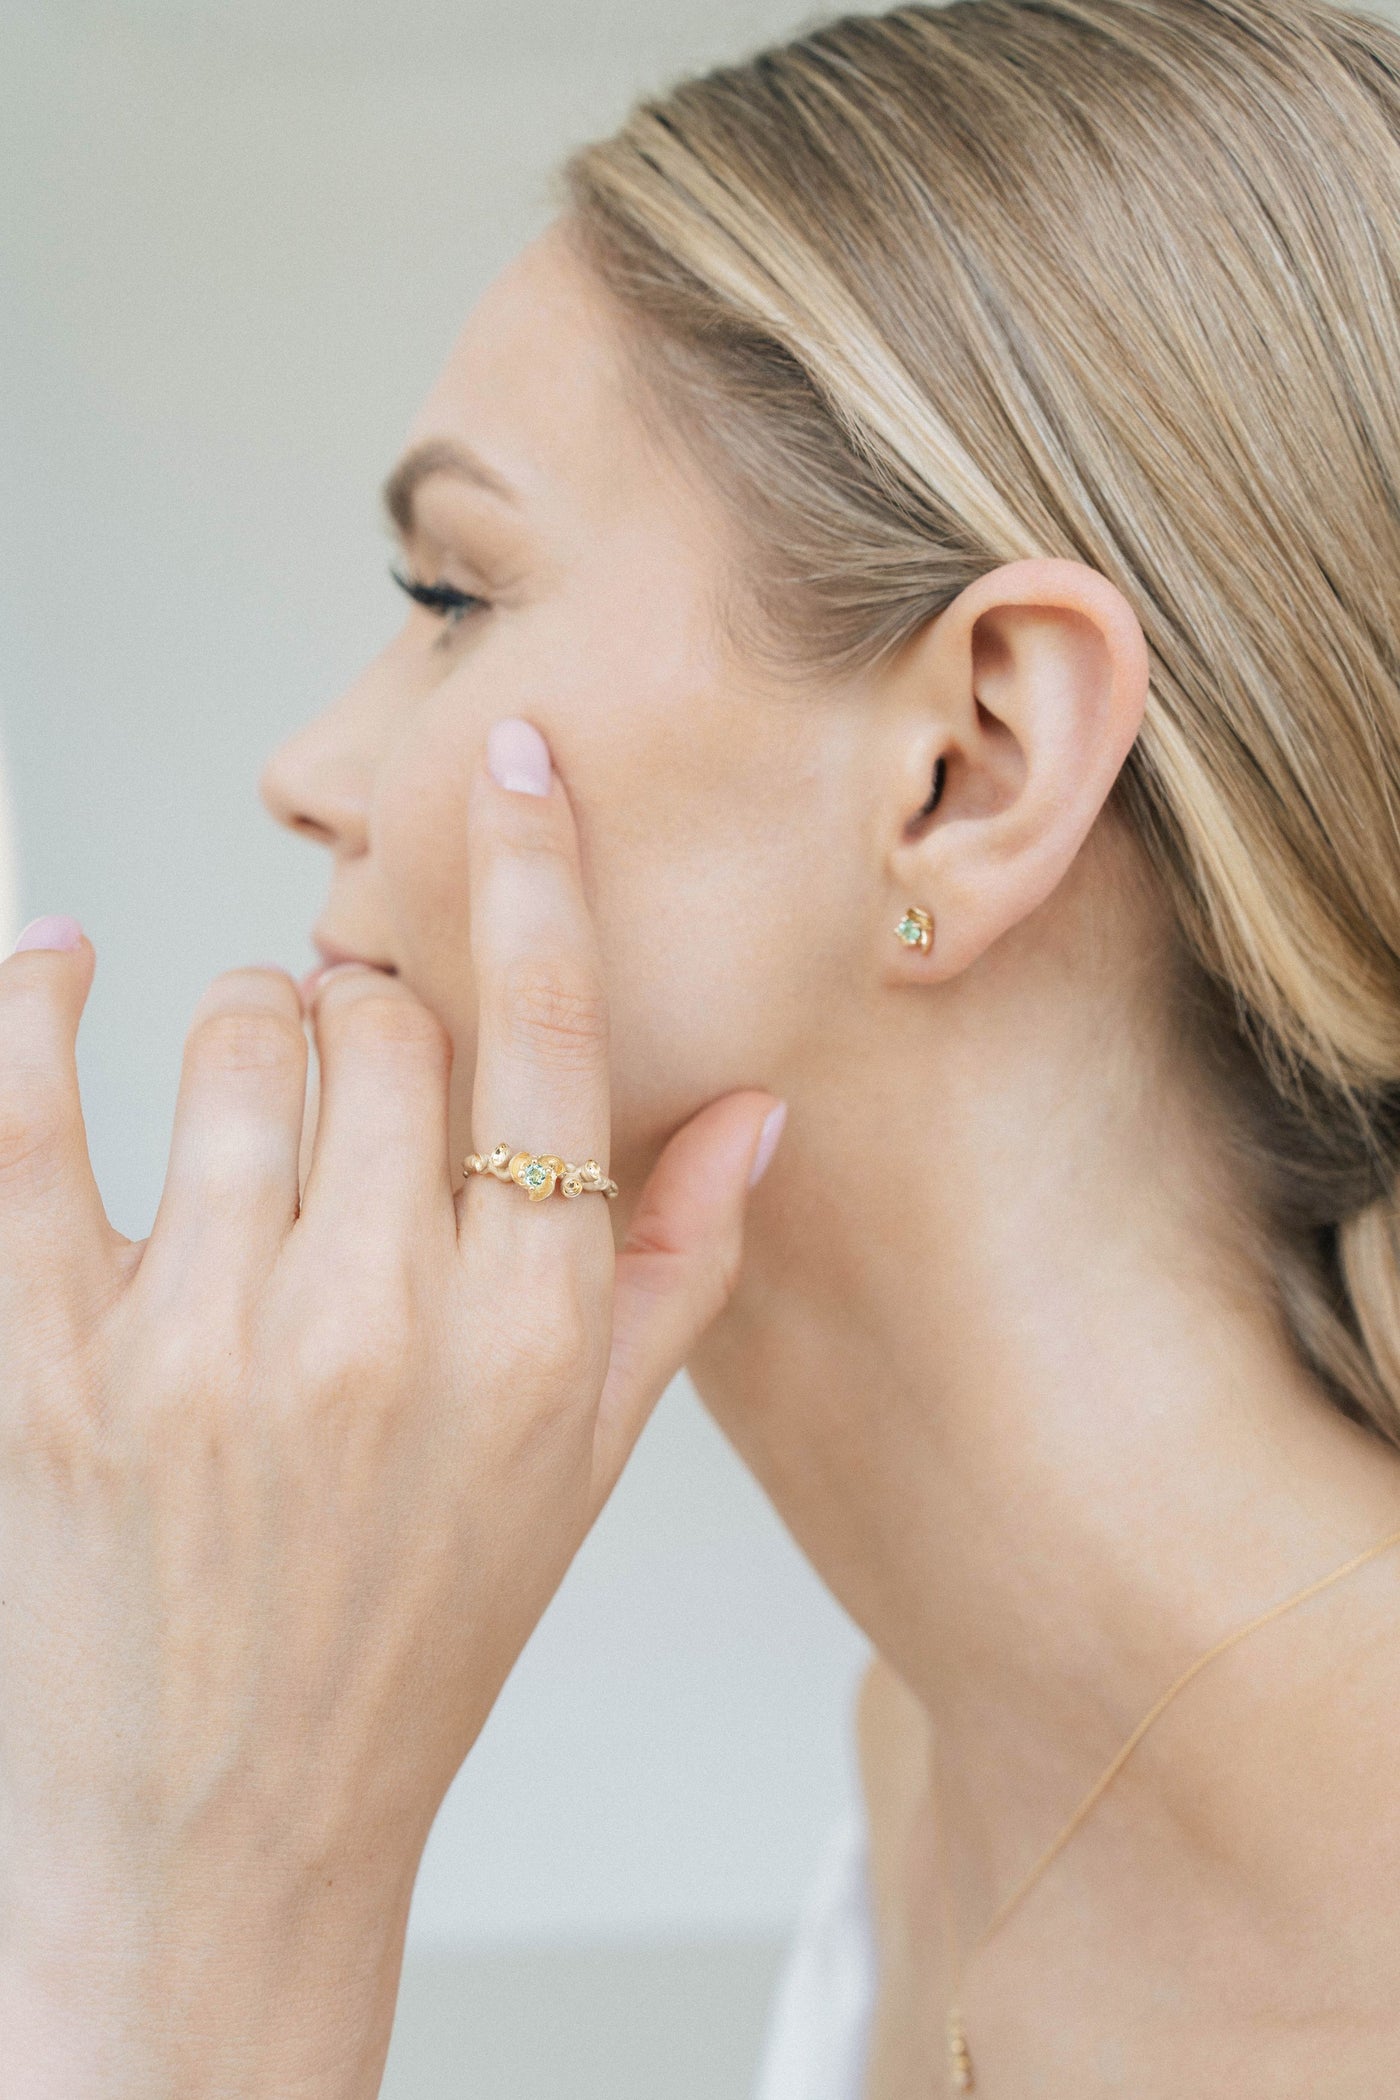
(315, 786)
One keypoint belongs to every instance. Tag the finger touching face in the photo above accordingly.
(572, 571)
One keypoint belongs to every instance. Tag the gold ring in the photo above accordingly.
(539, 1172)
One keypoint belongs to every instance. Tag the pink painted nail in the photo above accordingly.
(56, 930)
(517, 756)
(767, 1141)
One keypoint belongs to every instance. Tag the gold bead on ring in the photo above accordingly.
(539, 1173)
(916, 927)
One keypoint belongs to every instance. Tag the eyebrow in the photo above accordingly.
(436, 456)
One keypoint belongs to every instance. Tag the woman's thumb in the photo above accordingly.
(680, 1262)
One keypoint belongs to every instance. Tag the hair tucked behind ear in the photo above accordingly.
(1117, 280)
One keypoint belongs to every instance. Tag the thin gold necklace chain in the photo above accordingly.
(959, 2055)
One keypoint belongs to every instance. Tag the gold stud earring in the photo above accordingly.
(916, 927)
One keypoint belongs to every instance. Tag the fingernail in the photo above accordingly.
(517, 756)
(56, 930)
(767, 1141)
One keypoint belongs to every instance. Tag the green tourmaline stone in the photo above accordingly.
(536, 1175)
(911, 931)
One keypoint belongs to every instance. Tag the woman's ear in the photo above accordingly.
(1018, 704)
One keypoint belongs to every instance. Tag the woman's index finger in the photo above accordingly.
(541, 1082)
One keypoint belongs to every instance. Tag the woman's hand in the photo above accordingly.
(285, 1488)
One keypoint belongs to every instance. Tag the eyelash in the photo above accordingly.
(450, 605)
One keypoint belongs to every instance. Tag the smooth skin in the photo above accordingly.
(995, 1346)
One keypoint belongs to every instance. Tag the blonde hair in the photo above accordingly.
(1119, 281)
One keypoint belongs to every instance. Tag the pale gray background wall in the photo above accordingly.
(236, 238)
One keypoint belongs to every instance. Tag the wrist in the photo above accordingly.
(227, 1988)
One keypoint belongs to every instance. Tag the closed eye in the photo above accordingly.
(444, 599)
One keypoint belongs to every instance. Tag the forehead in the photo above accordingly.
(537, 384)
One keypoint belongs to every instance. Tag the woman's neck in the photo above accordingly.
(1036, 1424)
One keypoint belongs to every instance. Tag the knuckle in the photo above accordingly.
(393, 1021)
(189, 1360)
(550, 1323)
(555, 1343)
(555, 1016)
(244, 1039)
(529, 825)
(324, 1367)
(50, 1411)
(32, 1125)
(534, 1390)
(265, 981)
(338, 1358)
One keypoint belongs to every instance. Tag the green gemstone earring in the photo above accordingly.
(916, 928)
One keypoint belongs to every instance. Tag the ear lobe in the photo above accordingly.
(1038, 675)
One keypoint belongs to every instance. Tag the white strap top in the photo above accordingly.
(818, 2032)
